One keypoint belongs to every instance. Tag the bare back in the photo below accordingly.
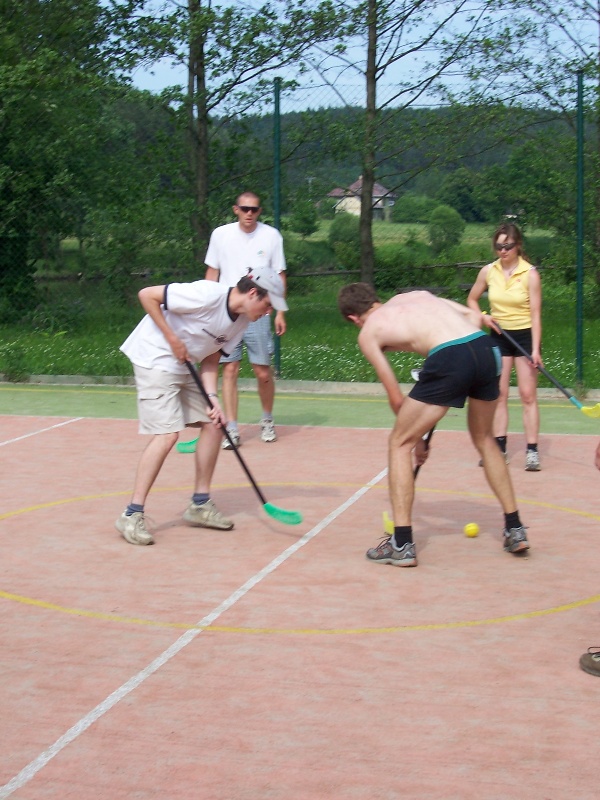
(417, 322)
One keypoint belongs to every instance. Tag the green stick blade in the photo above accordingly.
(282, 515)
(187, 447)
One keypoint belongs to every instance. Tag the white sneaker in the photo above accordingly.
(207, 516)
(532, 461)
(133, 529)
(268, 431)
(235, 438)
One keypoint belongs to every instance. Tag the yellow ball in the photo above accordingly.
(471, 529)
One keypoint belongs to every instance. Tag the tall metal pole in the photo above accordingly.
(277, 192)
(579, 327)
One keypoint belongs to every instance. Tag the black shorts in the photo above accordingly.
(468, 367)
(522, 337)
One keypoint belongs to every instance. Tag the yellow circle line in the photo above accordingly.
(30, 601)
(335, 484)
(291, 631)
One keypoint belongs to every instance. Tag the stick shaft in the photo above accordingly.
(209, 402)
(427, 440)
(544, 372)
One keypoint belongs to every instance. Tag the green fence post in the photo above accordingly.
(277, 191)
(579, 305)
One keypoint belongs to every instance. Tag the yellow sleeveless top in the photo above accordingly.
(509, 299)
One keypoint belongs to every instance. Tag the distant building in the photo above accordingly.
(348, 199)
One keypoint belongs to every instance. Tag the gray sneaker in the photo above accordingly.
(532, 461)
(267, 433)
(385, 553)
(515, 540)
(590, 661)
(207, 516)
(235, 438)
(133, 529)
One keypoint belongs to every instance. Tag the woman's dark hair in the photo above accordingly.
(512, 233)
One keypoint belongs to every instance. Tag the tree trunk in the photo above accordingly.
(198, 140)
(367, 255)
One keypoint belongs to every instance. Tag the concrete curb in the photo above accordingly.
(249, 385)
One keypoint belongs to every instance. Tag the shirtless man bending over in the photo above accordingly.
(460, 362)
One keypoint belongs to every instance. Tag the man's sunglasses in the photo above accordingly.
(247, 209)
(508, 246)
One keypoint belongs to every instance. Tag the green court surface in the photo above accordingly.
(363, 407)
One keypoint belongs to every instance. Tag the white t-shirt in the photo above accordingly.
(232, 251)
(197, 313)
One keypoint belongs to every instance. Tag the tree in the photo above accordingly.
(458, 190)
(55, 66)
(563, 40)
(418, 45)
(446, 228)
(304, 218)
(230, 54)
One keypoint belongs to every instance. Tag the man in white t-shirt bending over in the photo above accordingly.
(187, 322)
(232, 250)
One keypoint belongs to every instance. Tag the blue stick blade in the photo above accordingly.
(282, 515)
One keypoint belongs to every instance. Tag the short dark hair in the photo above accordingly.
(247, 194)
(245, 284)
(356, 298)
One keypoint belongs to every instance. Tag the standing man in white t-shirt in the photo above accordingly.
(232, 250)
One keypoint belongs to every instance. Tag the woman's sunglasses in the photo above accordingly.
(508, 246)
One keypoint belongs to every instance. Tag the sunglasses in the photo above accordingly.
(508, 246)
(248, 209)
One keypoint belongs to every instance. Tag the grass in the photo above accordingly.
(319, 344)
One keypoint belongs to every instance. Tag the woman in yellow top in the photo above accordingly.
(515, 298)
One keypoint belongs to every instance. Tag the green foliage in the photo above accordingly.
(413, 208)
(344, 239)
(457, 191)
(446, 228)
(13, 362)
(399, 267)
(304, 219)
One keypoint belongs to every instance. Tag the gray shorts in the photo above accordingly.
(166, 402)
(259, 343)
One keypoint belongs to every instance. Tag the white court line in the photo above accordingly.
(42, 430)
(31, 770)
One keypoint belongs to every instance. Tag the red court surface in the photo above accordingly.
(274, 662)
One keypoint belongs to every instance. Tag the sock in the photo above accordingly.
(267, 416)
(232, 426)
(134, 508)
(512, 520)
(531, 446)
(501, 442)
(199, 498)
(402, 536)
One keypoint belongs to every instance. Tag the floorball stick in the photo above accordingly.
(590, 411)
(280, 514)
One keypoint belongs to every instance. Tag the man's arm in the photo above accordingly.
(212, 274)
(151, 298)
(280, 323)
(209, 372)
(373, 352)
